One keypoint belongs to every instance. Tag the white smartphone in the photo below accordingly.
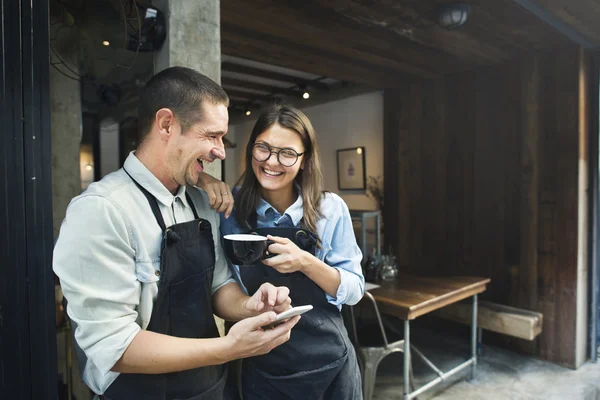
(293, 312)
(281, 317)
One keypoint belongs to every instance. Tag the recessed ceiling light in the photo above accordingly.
(106, 43)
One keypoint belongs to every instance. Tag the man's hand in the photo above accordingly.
(290, 258)
(248, 338)
(219, 193)
(269, 298)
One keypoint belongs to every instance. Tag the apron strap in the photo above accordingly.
(191, 203)
(153, 203)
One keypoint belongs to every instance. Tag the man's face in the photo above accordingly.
(188, 152)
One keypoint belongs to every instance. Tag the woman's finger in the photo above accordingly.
(226, 198)
(277, 248)
(277, 239)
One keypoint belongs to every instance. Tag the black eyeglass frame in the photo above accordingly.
(271, 151)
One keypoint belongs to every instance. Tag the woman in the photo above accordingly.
(315, 255)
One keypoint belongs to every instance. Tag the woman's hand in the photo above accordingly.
(219, 193)
(290, 258)
(268, 298)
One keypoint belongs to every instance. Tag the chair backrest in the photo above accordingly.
(350, 320)
(79, 353)
(350, 323)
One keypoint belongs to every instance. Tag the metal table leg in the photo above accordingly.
(406, 388)
(407, 392)
(474, 338)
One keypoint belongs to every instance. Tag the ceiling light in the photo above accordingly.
(454, 16)
(248, 112)
(88, 167)
(106, 43)
(306, 95)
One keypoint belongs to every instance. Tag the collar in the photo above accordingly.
(295, 211)
(148, 181)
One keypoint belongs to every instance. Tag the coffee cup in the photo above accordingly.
(246, 249)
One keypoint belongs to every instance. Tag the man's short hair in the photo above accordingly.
(183, 91)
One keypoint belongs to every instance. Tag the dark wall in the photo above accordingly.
(483, 170)
(27, 314)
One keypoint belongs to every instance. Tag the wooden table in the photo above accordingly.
(409, 297)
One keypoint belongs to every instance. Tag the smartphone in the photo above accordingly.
(281, 317)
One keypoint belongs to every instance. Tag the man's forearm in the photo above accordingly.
(229, 301)
(155, 353)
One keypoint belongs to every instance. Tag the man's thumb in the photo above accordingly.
(264, 319)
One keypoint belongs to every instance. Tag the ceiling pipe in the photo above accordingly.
(556, 23)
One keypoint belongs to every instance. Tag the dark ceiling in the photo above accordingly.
(283, 48)
(384, 42)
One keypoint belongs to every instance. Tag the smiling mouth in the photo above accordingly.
(271, 173)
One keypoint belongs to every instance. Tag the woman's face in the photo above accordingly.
(271, 174)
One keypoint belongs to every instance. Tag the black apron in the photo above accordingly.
(183, 308)
(318, 362)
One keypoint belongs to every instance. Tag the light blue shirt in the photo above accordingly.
(338, 243)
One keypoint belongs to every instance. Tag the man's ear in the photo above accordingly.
(164, 121)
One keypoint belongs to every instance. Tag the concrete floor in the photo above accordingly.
(501, 374)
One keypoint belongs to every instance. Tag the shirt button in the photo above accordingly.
(157, 273)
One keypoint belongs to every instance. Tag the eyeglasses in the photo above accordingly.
(287, 157)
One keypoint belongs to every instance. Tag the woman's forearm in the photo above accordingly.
(326, 277)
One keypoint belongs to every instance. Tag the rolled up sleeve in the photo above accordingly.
(345, 256)
(95, 261)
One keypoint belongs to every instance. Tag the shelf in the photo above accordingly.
(362, 216)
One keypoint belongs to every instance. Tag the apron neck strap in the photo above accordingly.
(153, 203)
(191, 203)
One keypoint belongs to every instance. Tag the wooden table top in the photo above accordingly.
(408, 297)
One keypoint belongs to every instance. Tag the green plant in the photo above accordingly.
(375, 190)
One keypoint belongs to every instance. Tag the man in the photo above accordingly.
(140, 261)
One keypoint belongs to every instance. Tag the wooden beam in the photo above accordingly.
(227, 81)
(493, 33)
(247, 95)
(316, 23)
(301, 35)
(578, 20)
(271, 50)
(272, 75)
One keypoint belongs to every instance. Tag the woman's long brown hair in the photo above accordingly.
(310, 179)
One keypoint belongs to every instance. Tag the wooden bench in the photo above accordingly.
(498, 318)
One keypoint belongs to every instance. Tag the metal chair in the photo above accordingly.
(370, 355)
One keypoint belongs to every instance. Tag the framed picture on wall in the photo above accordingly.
(351, 171)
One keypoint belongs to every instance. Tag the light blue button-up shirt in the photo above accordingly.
(338, 243)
